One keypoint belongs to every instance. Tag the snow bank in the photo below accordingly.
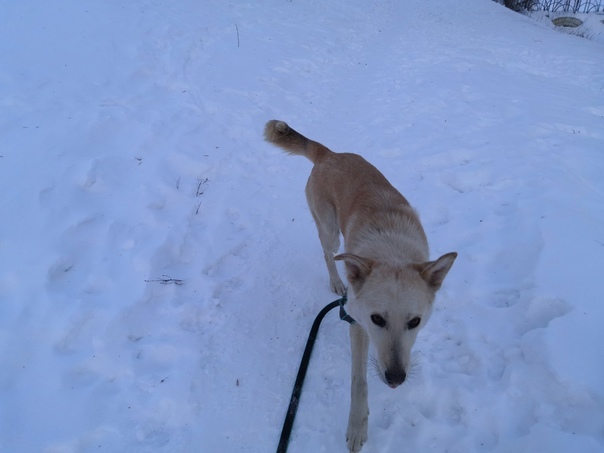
(159, 270)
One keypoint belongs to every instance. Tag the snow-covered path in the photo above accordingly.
(159, 270)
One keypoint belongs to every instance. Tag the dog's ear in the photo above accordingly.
(357, 268)
(434, 272)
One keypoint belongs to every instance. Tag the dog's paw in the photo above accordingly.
(356, 434)
(337, 287)
(356, 440)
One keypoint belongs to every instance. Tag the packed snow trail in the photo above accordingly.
(159, 269)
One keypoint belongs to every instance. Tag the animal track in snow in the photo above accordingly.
(437, 215)
(467, 181)
(456, 357)
(76, 334)
(58, 274)
(505, 298)
(540, 311)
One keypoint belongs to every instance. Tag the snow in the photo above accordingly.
(132, 160)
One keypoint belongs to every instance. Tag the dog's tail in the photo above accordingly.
(280, 134)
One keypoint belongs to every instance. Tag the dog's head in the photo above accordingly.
(392, 303)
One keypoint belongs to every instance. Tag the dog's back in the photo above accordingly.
(345, 180)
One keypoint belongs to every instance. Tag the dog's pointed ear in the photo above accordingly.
(434, 272)
(357, 268)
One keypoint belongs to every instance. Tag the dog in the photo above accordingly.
(392, 281)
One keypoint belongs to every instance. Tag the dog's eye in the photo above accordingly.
(378, 320)
(414, 323)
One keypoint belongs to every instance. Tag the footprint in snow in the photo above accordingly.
(467, 181)
(540, 311)
(505, 298)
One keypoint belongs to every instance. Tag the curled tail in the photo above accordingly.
(280, 134)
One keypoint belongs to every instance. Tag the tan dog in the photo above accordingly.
(393, 283)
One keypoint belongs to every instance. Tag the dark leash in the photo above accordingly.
(295, 399)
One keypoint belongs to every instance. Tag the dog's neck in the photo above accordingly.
(394, 235)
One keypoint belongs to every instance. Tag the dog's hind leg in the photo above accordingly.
(335, 282)
(329, 235)
(356, 434)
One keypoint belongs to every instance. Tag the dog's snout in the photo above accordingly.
(394, 378)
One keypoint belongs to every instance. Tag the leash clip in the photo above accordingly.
(344, 316)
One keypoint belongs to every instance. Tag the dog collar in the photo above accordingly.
(344, 316)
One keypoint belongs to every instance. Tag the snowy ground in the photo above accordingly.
(131, 152)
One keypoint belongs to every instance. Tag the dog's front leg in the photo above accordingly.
(356, 434)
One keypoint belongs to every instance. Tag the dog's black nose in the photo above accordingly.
(394, 378)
